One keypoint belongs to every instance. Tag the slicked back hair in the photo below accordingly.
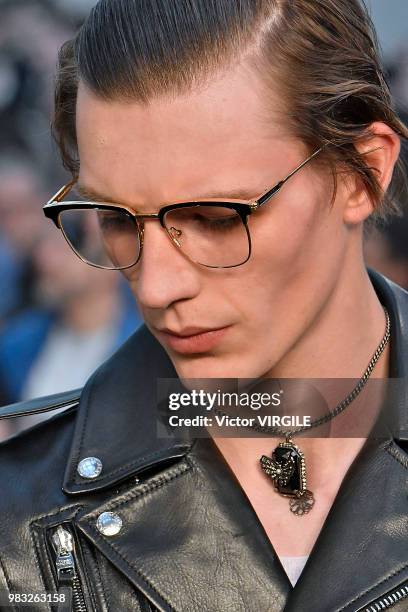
(320, 56)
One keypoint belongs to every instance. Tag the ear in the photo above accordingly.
(381, 150)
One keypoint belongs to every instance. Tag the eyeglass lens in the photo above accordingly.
(210, 235)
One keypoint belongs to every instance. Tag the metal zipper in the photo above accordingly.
(66, 568)
(388, 600)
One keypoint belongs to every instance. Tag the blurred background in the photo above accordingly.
(59, 319)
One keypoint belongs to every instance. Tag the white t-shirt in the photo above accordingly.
(293, 567)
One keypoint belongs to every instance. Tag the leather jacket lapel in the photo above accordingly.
(117, 417)
(361, 551)
(191, 540)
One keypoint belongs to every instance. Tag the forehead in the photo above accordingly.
(168, 148)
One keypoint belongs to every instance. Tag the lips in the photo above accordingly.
(192, 340)
(188, 331)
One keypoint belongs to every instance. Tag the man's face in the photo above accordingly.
(217, 140)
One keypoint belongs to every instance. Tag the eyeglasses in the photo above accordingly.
(212, 233)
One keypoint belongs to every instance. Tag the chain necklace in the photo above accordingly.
(286, 466)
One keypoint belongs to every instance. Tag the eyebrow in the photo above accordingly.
(238, 194)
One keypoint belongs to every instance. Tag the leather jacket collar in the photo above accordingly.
(116, 419)
(197, 520)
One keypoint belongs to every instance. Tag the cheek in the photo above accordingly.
(285, 237)
(297, 250)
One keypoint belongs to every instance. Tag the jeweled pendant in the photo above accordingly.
(288, 471)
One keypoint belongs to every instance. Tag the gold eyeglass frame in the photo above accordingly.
(55, 206)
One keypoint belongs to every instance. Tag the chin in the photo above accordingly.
(218, 367)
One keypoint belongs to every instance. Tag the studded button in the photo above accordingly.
(109, 523)
(90, 467)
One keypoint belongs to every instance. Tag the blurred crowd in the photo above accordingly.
(59, 319)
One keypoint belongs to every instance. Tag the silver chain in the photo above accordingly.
(343, 404)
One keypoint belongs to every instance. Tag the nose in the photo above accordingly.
(164, 275)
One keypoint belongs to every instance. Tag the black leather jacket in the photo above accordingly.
(189, 540)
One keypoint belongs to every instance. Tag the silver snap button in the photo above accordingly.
(109, 523)
(90, 467)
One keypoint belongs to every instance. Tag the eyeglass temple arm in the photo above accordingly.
(61, 193)
(267, 196)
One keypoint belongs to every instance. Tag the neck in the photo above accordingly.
(339, 344)
(341, 339)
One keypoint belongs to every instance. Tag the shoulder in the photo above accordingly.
(44, 439)
(33, 464)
